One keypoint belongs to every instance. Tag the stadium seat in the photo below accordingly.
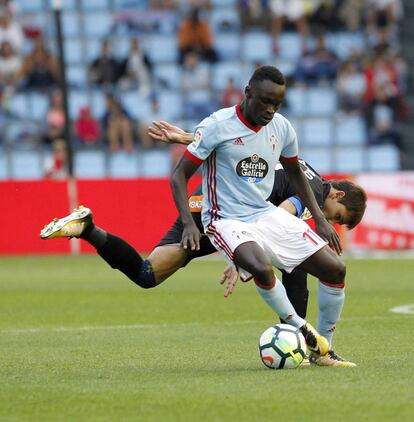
(350, 131)
(77, 99)
(68, 4)
(321, 102)
(89, 164)
(161, 48)
(97, 24)
(223, 71)
(123, 165)
(77, 76)
(70, 24)
(171, 105)
(348, 42)
(31, 5)
(162, 167)
(95, 4)
(39, 105)
(350, 159)
(319, 158)
(317, 131)
(136, 105)
(98, 104)
(224, 20)
(257, 47)
(227, 46)
(224, 3)
(296, 101)
(4, 174)
(19, 106)
(26, 165)
(290, 46)
(383, 158)
(168, 74)
(286, 66)
(73, 51)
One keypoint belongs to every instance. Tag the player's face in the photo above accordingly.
(263, 100)
(334, 211)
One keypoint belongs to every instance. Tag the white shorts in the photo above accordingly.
(292, 9)
(286, 239)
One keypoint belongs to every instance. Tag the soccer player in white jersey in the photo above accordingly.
(239, 147)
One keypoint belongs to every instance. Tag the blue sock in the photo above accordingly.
(277, 299)
(330, 301)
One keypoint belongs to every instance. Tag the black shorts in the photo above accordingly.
(174, 235)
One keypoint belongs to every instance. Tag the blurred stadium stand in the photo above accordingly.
(331, 142)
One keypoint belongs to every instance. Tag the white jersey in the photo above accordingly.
(238, 163)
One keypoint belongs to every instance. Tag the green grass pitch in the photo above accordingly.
(78, 341)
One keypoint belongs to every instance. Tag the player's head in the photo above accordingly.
(264, 95)
(345, 203)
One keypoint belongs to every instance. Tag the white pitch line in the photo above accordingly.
(178, 324)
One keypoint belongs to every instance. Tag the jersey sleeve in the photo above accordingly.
(290, 149)
(204, 142)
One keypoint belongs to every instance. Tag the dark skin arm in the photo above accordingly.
(301, 186)
(184, 169)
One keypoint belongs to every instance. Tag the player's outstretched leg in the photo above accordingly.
(114, 250)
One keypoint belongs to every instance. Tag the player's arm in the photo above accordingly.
(184, 169)
(163, 131)
(301, 185)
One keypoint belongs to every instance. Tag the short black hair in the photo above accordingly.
(268, 73)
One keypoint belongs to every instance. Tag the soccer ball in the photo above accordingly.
(282, 346)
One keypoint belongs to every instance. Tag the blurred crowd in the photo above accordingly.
(371, 82)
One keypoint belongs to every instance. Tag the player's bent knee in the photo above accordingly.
(145, 277)
(338, 273)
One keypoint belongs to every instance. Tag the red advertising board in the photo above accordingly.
(388, 223)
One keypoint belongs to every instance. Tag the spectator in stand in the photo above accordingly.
(40, 69)
(55, 118)
(380, 72)
(318, 66)
(351, 86)
(117, 126)
(382, 122)
(292, 11)
(382, 19)
(137, 68)
(194, 36)
(105, 69)
(146, 141)
(231, 94)
(10, 67)
(195, 83)
(350, 13)
(56, 166)
(254, 13)
(162, 4)
(87, 128)
(10, 30)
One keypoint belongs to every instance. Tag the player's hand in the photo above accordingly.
(328, 233)
(230, 274)
(166, 132)
(191, 237)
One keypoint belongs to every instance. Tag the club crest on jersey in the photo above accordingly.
(273, 141)
(197, 137)
(252, 169)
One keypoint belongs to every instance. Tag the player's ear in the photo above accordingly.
(248, 91)
(339, 194)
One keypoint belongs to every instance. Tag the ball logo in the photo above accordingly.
(252, 169)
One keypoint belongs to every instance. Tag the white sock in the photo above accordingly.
(277, 299)
(330, 301)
